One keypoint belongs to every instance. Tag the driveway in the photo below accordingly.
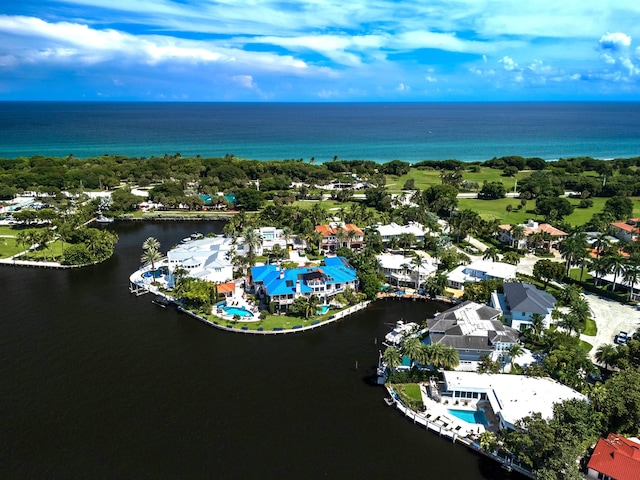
(610, 317)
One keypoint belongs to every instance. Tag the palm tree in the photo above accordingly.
(287, 234)
(412, 348)
(606, 354)
(151, 243)
(515, 351)
(571, 322)
(416, 261)
(537, 325)
(512, 257)
(406, 240)
(151, 255)
(252, 240)
(600, 267)
(450, 359)
(573, 248)
(615, 263)
(392, 357)
(580, 307)
(341, 236)
(311, 306)
(601, 245)
(517, 233)
(631, 276)
(491, 253)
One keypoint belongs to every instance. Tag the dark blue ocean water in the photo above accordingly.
(379, 132)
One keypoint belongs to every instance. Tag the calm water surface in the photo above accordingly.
(96, 383)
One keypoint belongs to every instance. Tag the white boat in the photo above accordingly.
(401, 330)
(102, 219)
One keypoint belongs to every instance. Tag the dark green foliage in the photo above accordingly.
(620, 208)
(492, 190)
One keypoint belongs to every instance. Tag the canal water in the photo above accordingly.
(97, 383)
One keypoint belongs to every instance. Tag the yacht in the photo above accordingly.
(400, 331)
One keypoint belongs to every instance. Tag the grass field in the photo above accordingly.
(427, 178)
(9, 247)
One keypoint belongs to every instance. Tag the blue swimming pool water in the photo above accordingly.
(322, 309)
(240, 311)
(470, 416)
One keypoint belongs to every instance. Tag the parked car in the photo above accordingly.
(621, 338)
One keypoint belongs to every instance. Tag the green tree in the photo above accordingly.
(607, 355)
(151, 255)
(547, 270)
(412, 348)
(573, 249)
(392, 357)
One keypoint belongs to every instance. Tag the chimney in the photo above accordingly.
(297, 286)
(281, 273)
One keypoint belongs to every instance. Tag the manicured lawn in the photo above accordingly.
(410, 390)
(490, 209)
(9, 247)
(284, 322)
(45, 254)
(7, 230)
(427, 178)
(590, 328)
(585, 346)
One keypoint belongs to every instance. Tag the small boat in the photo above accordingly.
(105, 220)
(161, 301)
(389, 401)
(395, 337)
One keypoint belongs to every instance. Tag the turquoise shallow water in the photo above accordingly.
(469, 416)
(378, 132)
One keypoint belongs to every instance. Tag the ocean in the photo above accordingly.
(371, 131)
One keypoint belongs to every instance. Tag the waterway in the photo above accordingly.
(97, 383)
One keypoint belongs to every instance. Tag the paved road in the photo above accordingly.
(611, 317)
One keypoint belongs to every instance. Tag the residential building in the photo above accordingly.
(401, 270)
(511, 397)
(271, 236)
(626, 231)
(474, 330)
(283, 286)
(615, 458)
(480, 270)
(555, 235)
(206, 258)
(393, 230)
(336, 235)
(520, 301)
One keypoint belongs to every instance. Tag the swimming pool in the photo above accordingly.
(322, 309)
(240, 311)
(470, 416)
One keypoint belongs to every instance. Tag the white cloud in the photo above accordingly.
(403, 88)
(245, 81)
(508, 63)
(614, 41)
(431, 79)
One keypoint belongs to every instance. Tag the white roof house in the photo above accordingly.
(512, 397)
(206, 259)
(400, 269)
(480, 270)
(393, 230)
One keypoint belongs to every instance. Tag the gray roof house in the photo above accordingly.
(474, 330)
(520, 301)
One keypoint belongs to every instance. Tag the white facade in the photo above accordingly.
(400, 269)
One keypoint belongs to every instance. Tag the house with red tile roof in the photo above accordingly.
(615, 458)
(531, 228)
(336, 235)
(626, 231)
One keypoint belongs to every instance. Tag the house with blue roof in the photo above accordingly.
(283, 286)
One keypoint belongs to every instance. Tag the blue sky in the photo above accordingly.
(319, 50)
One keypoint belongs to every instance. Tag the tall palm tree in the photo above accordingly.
(416, 261)
(573, 248)
(631, 276)
(151, 255)
(151, 243)
(580, 307)
(517, 233)
(615, 263)
(571, 322)
(515, 351)
(252, 240)
(392, 357)
(600, 267)
(311, 306)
